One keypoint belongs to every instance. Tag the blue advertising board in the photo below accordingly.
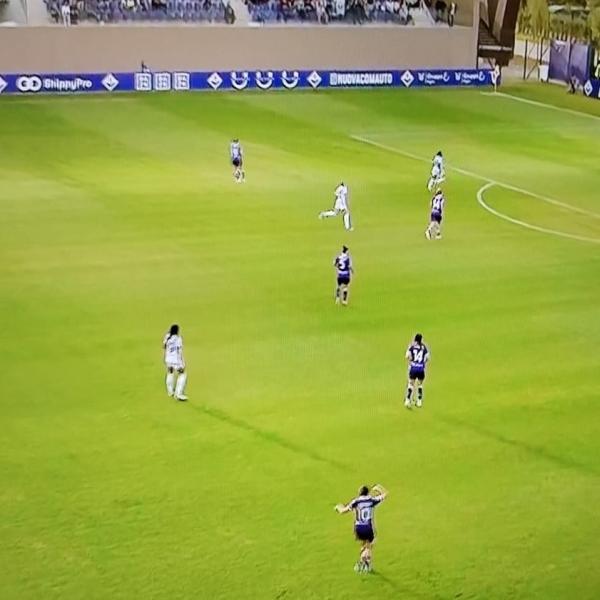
(569, 59)
(591, 88)
(164, 81)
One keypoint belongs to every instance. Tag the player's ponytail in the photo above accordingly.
(173, 330)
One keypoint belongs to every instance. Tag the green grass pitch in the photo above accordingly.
(119, 217)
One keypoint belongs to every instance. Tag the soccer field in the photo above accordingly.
(120, 217)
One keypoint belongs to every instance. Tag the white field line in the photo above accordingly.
(481, 201)
(508, 186)
(542, 104)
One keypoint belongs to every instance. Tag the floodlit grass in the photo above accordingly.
(119, 217)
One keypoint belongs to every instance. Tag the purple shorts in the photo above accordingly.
(416, 373)
(364, 532)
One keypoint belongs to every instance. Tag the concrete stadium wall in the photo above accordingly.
(464, 13)
(121, 48)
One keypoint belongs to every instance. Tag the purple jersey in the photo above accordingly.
(437, 203)
(363, 509)
(418, 355)
(343, 264)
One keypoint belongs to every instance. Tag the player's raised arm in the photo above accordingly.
(342, 508)
(380, 491)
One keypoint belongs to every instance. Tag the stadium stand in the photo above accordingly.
(358, 12)
(332, 11)
(115, 11)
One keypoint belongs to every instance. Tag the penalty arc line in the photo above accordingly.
(492, 182)
(508, 186)
(500, 215)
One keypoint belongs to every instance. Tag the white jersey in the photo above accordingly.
(235, 150)
(173, 345)
(437, 167)
(341, 198)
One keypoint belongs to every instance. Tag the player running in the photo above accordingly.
(438, 173)
(417, 356)
(364, 531)
(437, 209)
(237, 161)
(341, 205)
(173, 346)
(344, 270)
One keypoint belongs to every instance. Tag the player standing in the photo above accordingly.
(341, 205)
(435, 223)
(237, 161)
(364, 530)
(173, 346)
(438, 173)
(344, 271)
(417, 356)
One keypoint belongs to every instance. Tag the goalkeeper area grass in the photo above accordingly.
(120, 217)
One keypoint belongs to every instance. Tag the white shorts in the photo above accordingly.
(437, 173)
(177, 365)
(340, 205)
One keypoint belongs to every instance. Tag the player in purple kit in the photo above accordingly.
(344, 271)
(417, 355)
(364, 530)
(437, 209)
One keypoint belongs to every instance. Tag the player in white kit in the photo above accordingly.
(341, 206)
(173, 347)
(438, 173)
(236, 156)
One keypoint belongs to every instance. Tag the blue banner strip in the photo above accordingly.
(591, 88)
(165, 81)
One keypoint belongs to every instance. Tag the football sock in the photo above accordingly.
(347, 223)
(409, 392)
(181, 381)
(170, 383)
(420, 393)
(328, 213)
(345, 296)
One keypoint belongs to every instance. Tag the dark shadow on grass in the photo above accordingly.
(402, 591)
(537, 451)
(386, 580)
(267, 436)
